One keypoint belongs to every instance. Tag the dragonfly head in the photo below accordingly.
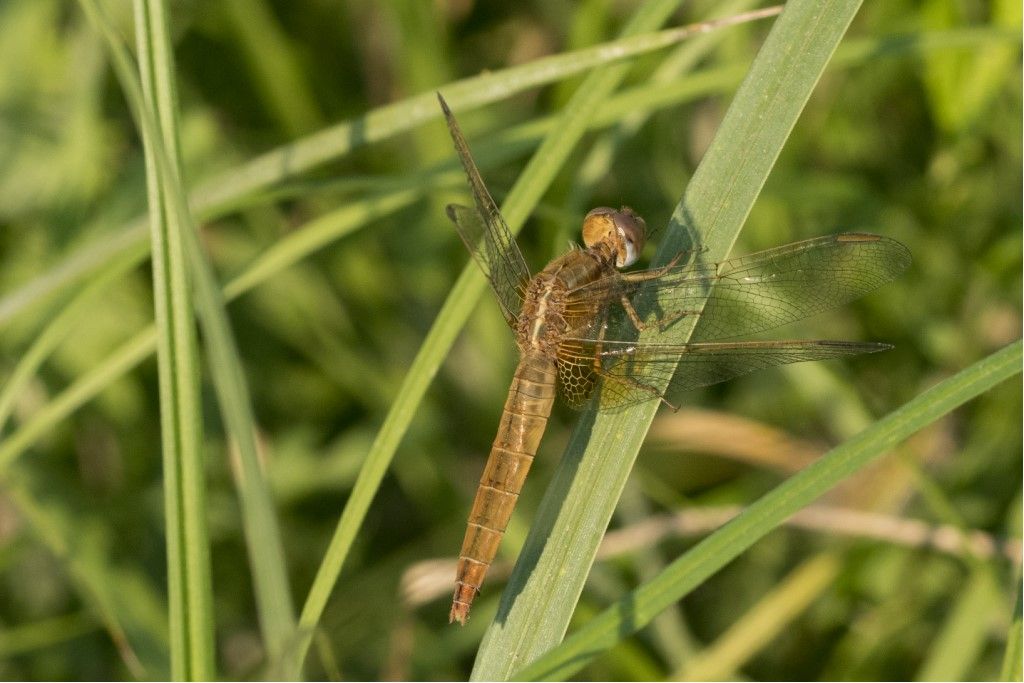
(625, 230)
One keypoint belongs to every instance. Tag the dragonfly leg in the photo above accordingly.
(675, 316)
(661, 323)
(645, 276)
(654, 273)
(634, 318)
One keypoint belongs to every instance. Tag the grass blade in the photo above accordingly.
(957, 647)
(776, 611)
(266, 554)
(1012, 657)
(190, 592)
(191, 611)
(56, 331)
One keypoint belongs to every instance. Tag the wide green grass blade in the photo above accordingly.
(689, 571)
(556, 559)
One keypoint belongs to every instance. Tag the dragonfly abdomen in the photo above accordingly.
(523, 421)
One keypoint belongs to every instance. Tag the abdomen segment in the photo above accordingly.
(522, 424)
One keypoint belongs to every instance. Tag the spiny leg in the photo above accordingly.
(661, 323)
(646, 276)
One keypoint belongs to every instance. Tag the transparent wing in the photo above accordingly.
(605, 346)
(739, 296)
(503, 265)
(629, 373)
(486, 234)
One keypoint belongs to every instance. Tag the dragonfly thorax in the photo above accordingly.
(547, 313)
(541, 322)
(623, 229)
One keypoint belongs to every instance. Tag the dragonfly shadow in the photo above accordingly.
(680, 244)
(680, 234)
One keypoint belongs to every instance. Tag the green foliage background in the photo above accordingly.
(914, 132)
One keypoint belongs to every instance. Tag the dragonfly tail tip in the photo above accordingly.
(459, 613)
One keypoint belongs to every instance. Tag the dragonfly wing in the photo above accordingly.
(744, 295)
(778, 286)
(486, 234)
(632, 373)
(498, 257)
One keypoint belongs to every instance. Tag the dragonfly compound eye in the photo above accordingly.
(598, 225)
(631, 232)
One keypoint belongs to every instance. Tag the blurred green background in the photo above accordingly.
(914, 133)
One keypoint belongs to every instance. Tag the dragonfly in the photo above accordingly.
(586, 329)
